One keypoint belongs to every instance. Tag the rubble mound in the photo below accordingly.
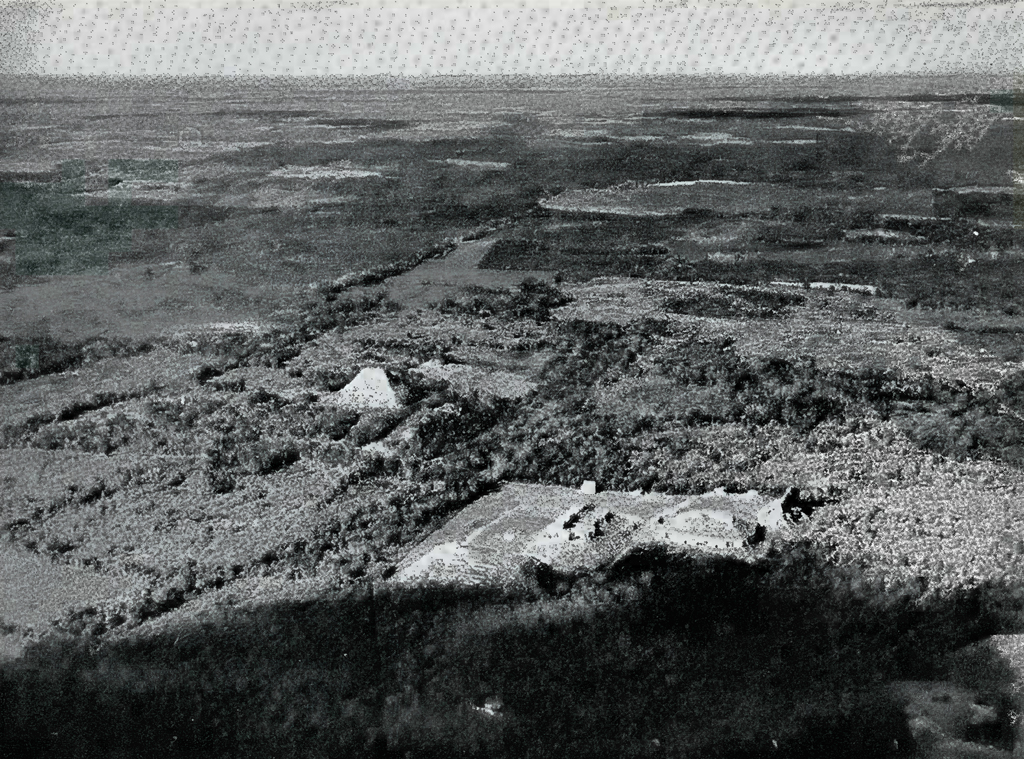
(584, 536)
(370, 389)
(566, 531)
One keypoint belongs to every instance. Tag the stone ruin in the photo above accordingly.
(567, 530)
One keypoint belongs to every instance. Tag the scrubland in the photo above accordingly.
(247, 527)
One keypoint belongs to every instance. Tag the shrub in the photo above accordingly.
(232, 385)
(206, 372)
(262, 396)
(589, 351)
(266, 457)
(374, 276)
(921, 135)
(373, 425)
(454, 425)
(94, 434)
(1011, 390)
(332, 312)
(21, 359)
(336, 423)
(976, 431)
(219, 459)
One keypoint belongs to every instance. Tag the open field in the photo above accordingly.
(744, 314)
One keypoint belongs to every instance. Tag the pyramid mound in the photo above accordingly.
(369, 390)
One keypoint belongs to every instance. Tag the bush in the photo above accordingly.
(454, 425)
(1011, 390)
(336, 423)
(563, 437)
(261, 396)
(232, 385)
(373, 425)
(94, 435)
(412, 386)
(21, 359)
(977, 431)
(374, 276)
(589, 351)
(206, 372)
(332, 312)
(267, 457)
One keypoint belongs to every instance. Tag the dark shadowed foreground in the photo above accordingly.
(654, 656)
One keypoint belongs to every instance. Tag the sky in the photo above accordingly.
(529, 37)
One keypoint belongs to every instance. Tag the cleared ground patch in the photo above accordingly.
(34, 591)
(431, 281)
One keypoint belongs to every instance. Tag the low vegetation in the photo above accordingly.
(247, 474)
(532, 300)
(255, 522)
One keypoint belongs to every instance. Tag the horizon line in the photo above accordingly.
(533, 77)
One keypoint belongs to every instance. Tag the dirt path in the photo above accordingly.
(432, 280)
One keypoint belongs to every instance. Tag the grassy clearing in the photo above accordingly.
(779, 199)
(59, 231)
